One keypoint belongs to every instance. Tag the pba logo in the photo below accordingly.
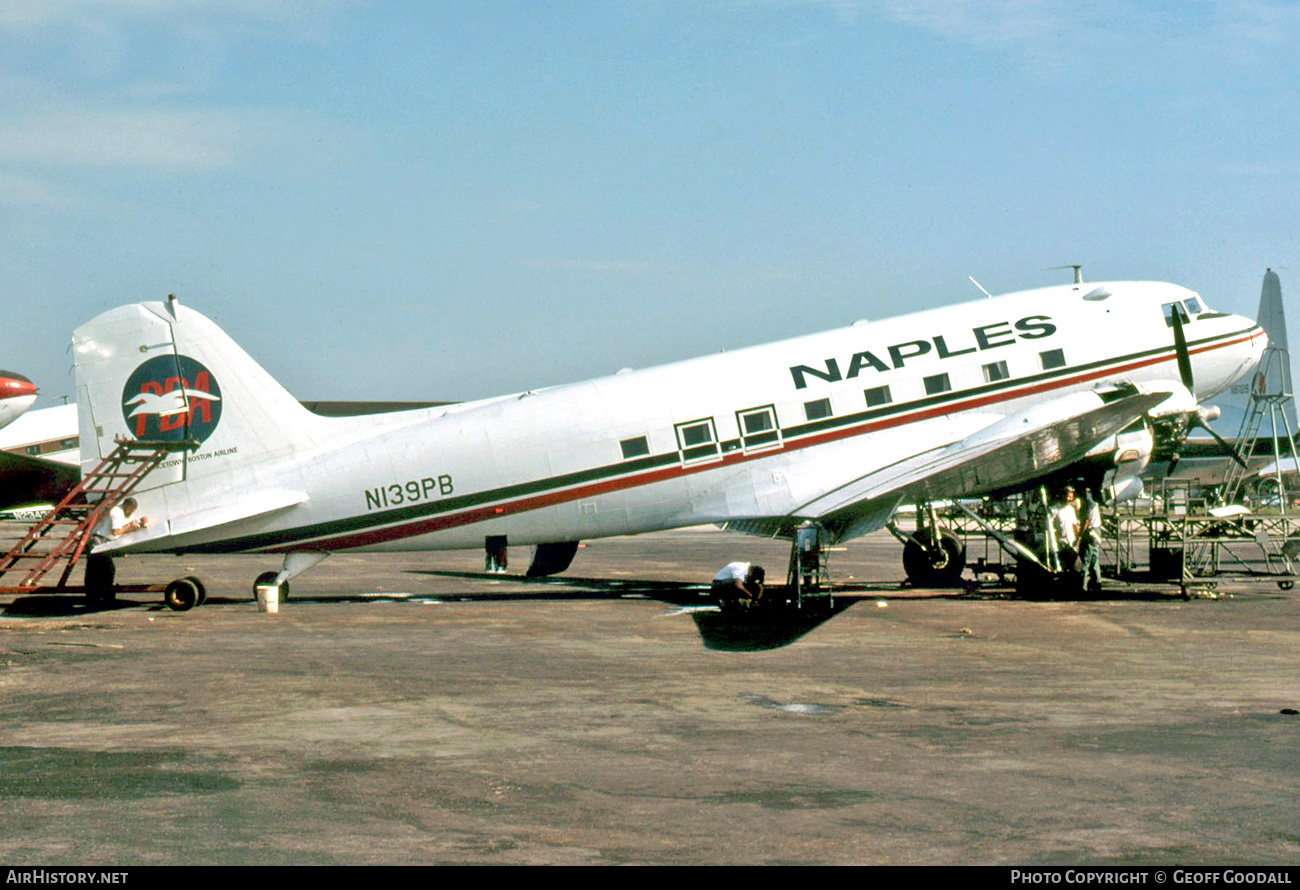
(171, 397)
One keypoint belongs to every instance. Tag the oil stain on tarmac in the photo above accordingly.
(75, 774)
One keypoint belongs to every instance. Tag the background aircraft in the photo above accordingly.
(17, 394)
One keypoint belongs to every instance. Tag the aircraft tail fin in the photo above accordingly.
(1275, 369)
(163, 371)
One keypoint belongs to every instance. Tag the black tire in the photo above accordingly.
(269, 578)
(203, 591)
(101, 573)
(181, 595)
(938, 568)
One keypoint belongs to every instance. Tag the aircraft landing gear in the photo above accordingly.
(268, 578)
(933, 556)
(934, 565)
(295, 563)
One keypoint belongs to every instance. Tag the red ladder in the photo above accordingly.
(66, 530)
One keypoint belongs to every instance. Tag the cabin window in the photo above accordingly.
(635, 447)
(996, 371)
(697, 439)
(758, 427)
(877, 396)
(937, 384)
(817, 410)
(1052, 358)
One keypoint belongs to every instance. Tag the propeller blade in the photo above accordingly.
(1180, 349)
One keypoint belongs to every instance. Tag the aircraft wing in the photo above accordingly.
(31, 480)
(1011, 452)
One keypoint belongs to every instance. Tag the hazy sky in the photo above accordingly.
(422, 200)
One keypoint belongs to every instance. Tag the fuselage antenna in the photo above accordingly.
(980, 286)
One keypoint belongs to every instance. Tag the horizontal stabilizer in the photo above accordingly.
(250, 507)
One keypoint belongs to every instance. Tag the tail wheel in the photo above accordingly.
(181, 595)
(928, 566)
(267, 578)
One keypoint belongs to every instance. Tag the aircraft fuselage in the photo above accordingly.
(745, 434)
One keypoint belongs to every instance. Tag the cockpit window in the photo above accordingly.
(1194, 306)
(1171, 308)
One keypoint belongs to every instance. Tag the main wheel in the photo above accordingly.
(101, 572)
(181, 595)
(203, 591)
(269, 578)
(934, 567)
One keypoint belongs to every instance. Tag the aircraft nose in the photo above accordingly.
(15, 385)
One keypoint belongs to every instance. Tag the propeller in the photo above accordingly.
(1201, 417)
(1180, 350)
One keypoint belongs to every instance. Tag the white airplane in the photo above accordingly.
(835, 428)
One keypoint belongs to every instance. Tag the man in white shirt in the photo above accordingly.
(118, 522)
(738, 583)
(1066, 517)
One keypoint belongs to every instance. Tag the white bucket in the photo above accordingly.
(268, 598)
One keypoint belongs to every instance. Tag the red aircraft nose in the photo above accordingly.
(13, 385)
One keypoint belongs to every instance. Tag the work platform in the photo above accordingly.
(1184, 542)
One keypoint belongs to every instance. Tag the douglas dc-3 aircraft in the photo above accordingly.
(835, 428)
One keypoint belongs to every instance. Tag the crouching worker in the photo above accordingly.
(738, 585)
